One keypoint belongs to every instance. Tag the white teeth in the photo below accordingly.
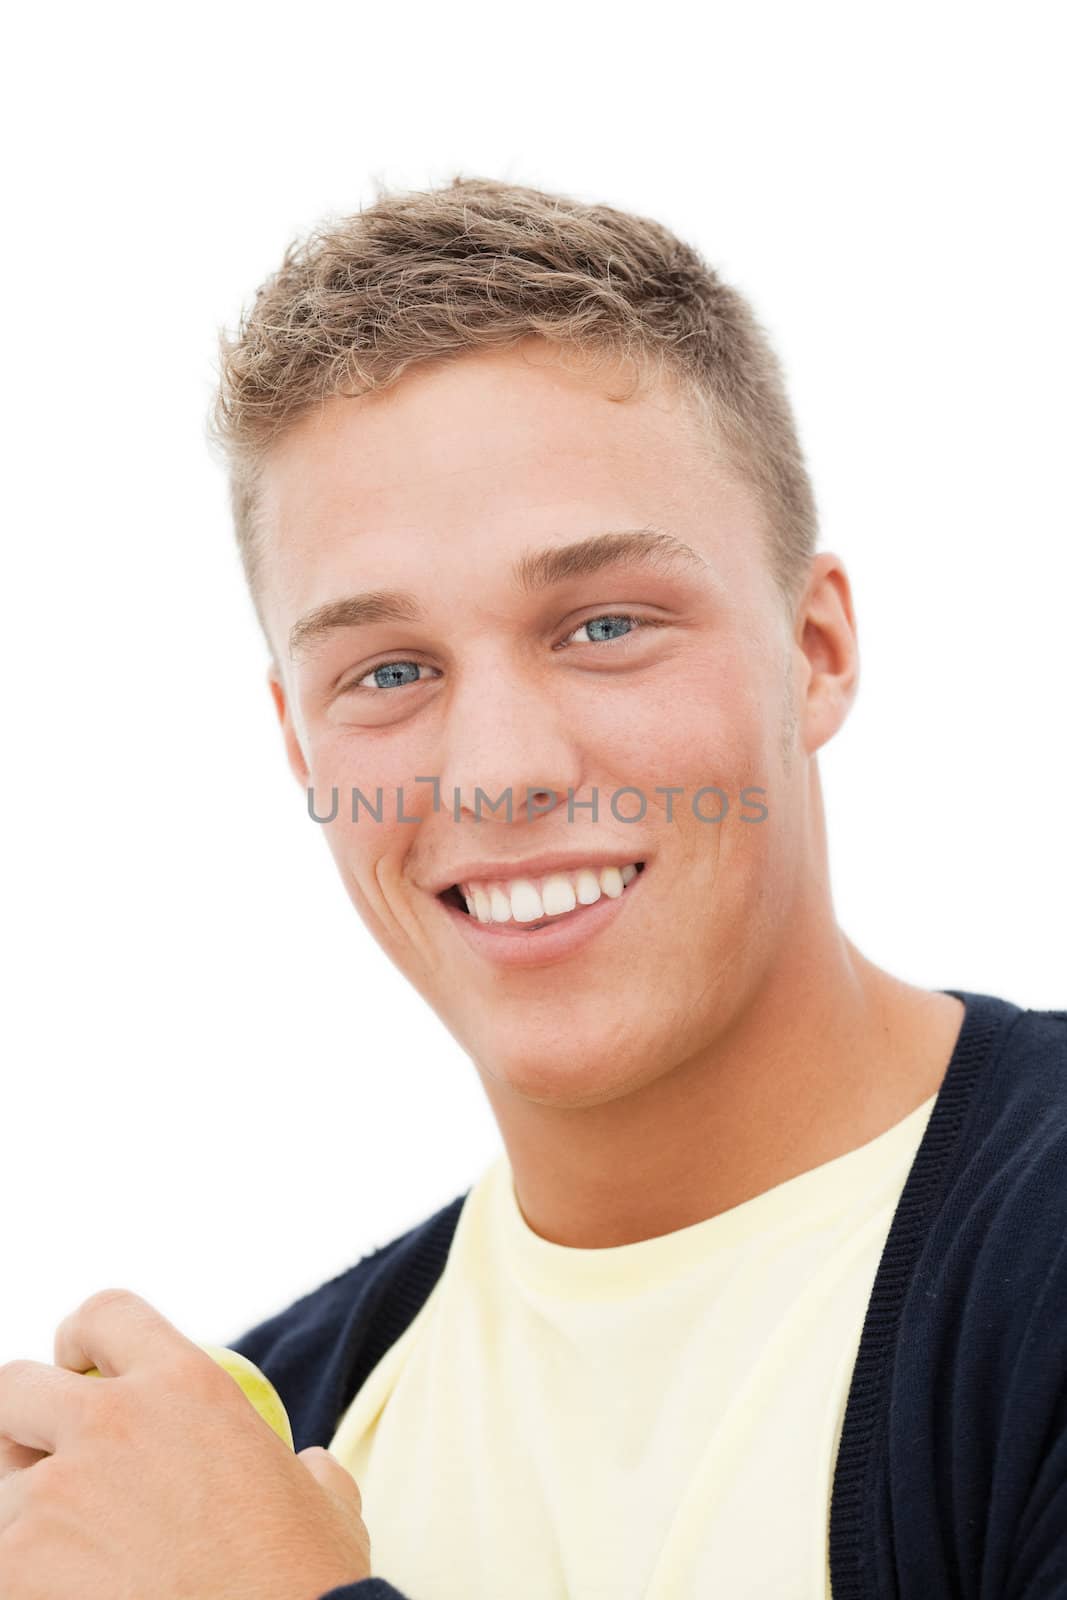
(557, 894)
(501, 905)
(611, 881)
(526, 905)
(527, 900)
(588, 887)
(482, 909)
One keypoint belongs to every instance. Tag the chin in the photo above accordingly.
(567, 1077)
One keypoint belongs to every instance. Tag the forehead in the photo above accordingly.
(467, 462)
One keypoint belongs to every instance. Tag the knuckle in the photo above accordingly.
(198, 1374)
(107, 1297)
(184, 1384)
(103, 1411)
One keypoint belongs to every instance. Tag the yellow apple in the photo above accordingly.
(259, 1389)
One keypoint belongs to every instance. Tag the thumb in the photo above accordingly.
(328, 1471)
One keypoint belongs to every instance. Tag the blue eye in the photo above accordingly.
(609, 617)
(390, 675)
(401, 674)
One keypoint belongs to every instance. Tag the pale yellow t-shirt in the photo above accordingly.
(653, 1421)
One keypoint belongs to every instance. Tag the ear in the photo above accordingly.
(826, 638)
(294, 754)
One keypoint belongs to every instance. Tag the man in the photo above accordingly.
(765, 1295)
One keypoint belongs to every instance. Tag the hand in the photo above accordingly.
(159, 1477)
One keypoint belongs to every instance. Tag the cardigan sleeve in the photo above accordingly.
(1039, 1568)
(1039, 1534)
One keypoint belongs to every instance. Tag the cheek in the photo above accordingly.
(363, 848)
(374, 781)
(364, 759)
(710, 723)
(355, 804)
(379, 810)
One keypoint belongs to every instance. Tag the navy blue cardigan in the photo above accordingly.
(951, 1474)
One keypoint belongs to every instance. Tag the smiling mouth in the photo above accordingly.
(454, 897)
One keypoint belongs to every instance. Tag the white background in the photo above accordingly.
(216, 1091)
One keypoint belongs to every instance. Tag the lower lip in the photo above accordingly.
(508, 944)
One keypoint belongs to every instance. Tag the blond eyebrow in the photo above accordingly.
(533, 572)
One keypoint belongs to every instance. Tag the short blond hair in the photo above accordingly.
(480, 264)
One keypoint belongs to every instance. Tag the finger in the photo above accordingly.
(328, 1471)
(115, 1330)
(342, 1489)
(40, 1406)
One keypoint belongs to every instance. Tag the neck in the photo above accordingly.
(824, 1053)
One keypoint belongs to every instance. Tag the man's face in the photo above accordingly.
(439, 487)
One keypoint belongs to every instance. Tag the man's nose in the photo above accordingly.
(507, 742)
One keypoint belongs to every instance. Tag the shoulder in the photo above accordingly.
(999, 1123)
(1040, 1035)
(987, 1209)
(1007, 1083)
(1022, 1103)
